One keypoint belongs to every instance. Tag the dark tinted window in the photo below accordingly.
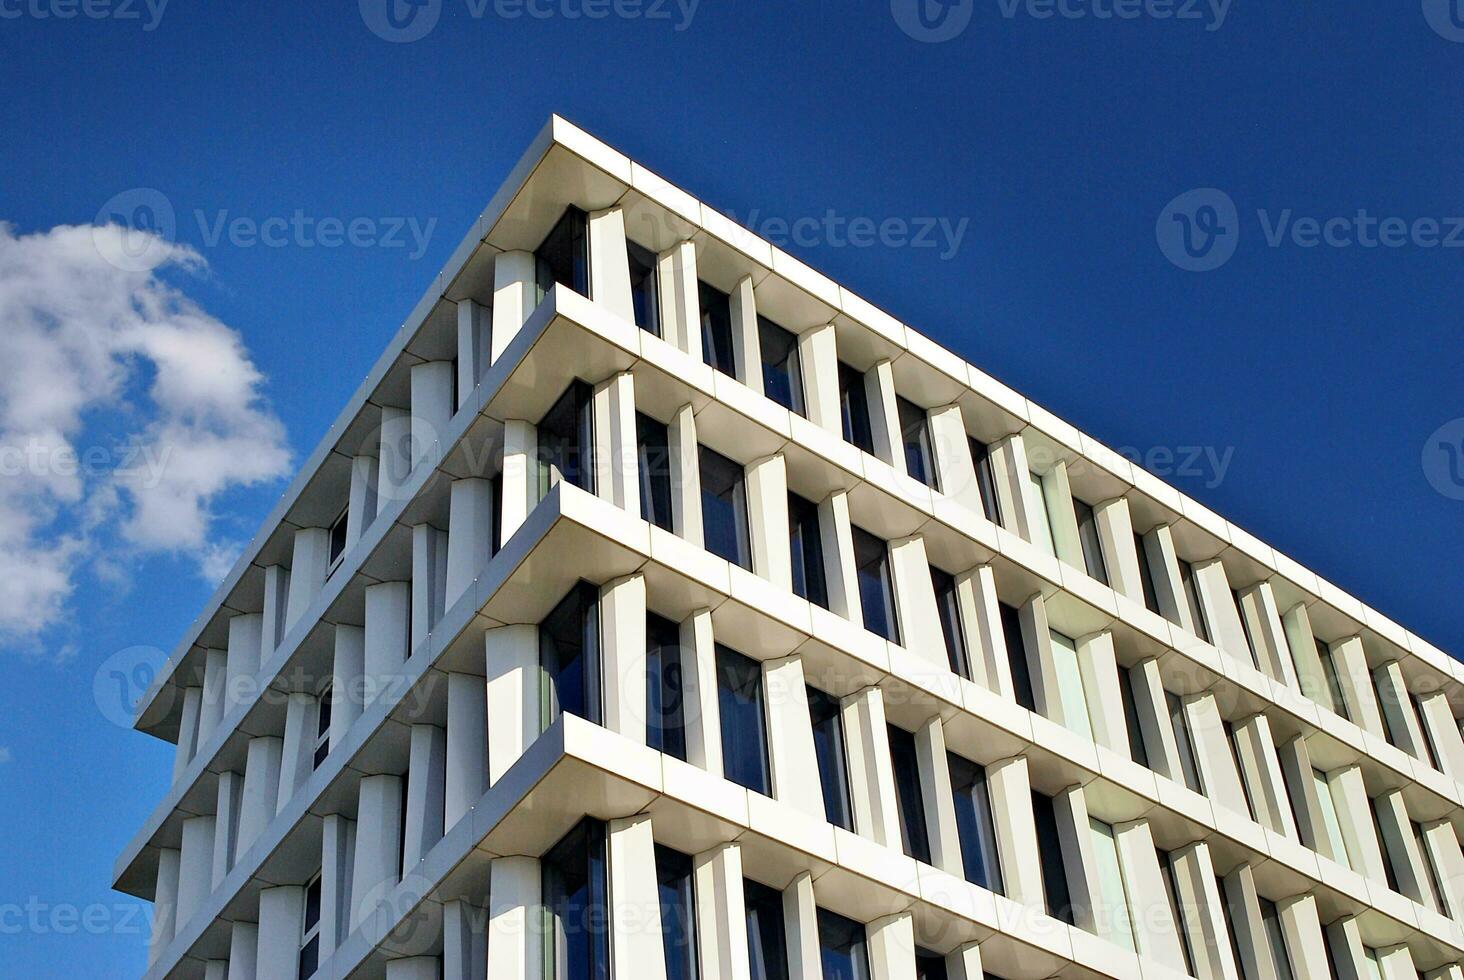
(337, 546)
(766, 943)
(1276, 936)
(854, 406)
(653, 450)
(1138, 751)
(1016, 650)
(876, 587)
(1334, 685)
(1049, 853)
(986, 480)
(576, 900)
(645, 297)
(665, 694)
(1146, 574)
(310, 951)
(974, 823)
(716, 327)
(1192, 599)
(564, 256)
(724, 508)
(566, 437)
(744, 725)
(1091, 541)
(781, 379)
(1179, 722)
(841, 942)
(569, 655)
(805, 542)
(930, 966)
(906, 764)
(828, 747)
(678, 928)
(949, 610)
(915, 435)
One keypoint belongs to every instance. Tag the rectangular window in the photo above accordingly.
(842, 947)
(1388, 865)
(724, 508)
(1146, 574)
(566, 440)
(1049, 855)
(1328, 805)
(986, 480)
(1138, 751)
(766, 943)
(876, 587)
(929, 966)
(805, 544)
(974, 824)
(854, 407)
(1234, 743)
(948, 607)
(310, 931)
(678, 922)
(828, 748)
(716, 329)
(1250, 643)
(1276, 937)
(1183, 744)
(1070, 686)
(1016, 650)
(744, 721)
(576, 904)
(336, 550)
(919, 448)
(564, 255)
(1091, 541)
(1334, 685)
(1192, 599)
(665, 696)
(645, 294)
(782, 380)
(906, 764)
(653, 451)
(1429, 749)
(322, 726)
(1041, 522)
(569, 656)
(1116, 925)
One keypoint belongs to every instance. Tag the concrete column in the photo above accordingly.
(432, 405)
(520, 482)
(609, 263)
(281, 917)
(1440, 725)
(1257, 752)
(426, 772)
(165, 904)
(1016, 831)
(1037, 641)
(1443, 846)
(1354, 815)
(348, 670)
(467, 746)
(474, 346)
(636, 948)
(680, 298)
(1393, 702)
(819, 357)
(1116, 536)
(395, 455)
(935, 790)
(1348, 953)
(1250, 931)
(871, 772)
(964, 963)
(955, 470)
(413, 968)
(767, 515)
(840, 575)
(1079, 862)
(1212, 753)
(361, 499)
(243, 951)
(1217, 602)
(699, 692)
(721, 915)
(1303, 931)
(261, 791)
(1157, 933)
(515, 931)
(981, 621)
(429, 582)
(920, 631)
(464, 941)
(228, 800)
(297, 754)
(272, 620)
(307, 571)
(469, 536)
(211, 699)
(1355, 681)
(1199, 895)
(884, 415)
(384, 650)
(511, 660)
(1301, 783)
(1057, 495)
(1151, 704)
(623, 655)
(375, 869)
(746, 345)
(1397, 963)
(685, 462)
(515, 294)
(1258, 609)
(1311, 680)
(1452, 971)
(891, 944)
(216, 970)
(242, 659)
(616, 454)
(337, 854)
(195, 866)
(1009, 472)
(1402, 848)
(1164, 570)
(187, 731)
(791, 756)
(800, 929)
(1099, 669)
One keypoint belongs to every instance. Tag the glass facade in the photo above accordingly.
(1016, 651)
(828, 747)
(842, 947)
(564, 255)
(905, 761)
(980, 857)
(653, 454)
(678, 913)
(876, 585)
(854, 407)
(744, 721)
(782, 380)
(716, 329)
(1091, 541)
(1065, 664)
(576, 905)
(766, 936)
(724, 508)
(569, 656)
(566, 440)
(1049, 855)
(986, 481)
(1114, 916)
(918, 446)
(645, 294)
(805, 545)
(665, 693)
(948, 608)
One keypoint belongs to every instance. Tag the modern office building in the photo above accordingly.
(658, 609)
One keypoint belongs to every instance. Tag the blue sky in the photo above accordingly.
(1311, 375)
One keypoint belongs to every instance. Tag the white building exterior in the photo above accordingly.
(600, 638)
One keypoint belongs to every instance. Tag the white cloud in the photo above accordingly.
(125, 410)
